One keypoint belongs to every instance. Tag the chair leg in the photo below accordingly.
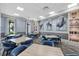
(6, 53)
(3, 53)
(53, 44)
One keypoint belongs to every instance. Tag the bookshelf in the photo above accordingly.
(73, 17)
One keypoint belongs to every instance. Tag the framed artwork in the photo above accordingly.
(60, 25)
(41, 25)
(57, 24)
(49, 26)
(11, 27)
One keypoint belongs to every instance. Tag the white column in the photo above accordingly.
(1, 50)
(0, 25)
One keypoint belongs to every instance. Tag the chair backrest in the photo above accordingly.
(18, 35)
(18, 50)
(10, 37)
(44, 38)
(9, 44)
(28, 42)
(49, 43)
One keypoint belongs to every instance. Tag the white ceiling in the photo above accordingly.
(32, 10)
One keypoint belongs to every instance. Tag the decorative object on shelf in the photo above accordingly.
(74, 23)
(73, 14)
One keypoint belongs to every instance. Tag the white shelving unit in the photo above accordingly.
(73, 17)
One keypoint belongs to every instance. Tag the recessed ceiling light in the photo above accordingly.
(51, 12)
(20, 8)
(72, 5)
(15, 14)
(41, 17)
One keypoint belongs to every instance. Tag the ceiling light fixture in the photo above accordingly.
(15, 14)
(20, 8)
(51, 12)
(72, 5)
(41, 17)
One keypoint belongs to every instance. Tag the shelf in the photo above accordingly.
(74, 32)
(77, 27)
(73, 36)
(77, 18)
(74, 25)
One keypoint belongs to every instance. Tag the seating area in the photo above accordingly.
(41, 29)
(10, 45)
(49, 41)
(13, 48)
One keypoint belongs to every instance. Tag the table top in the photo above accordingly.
(51, 36)
(20, 39)
(41, 50)
(11, 35)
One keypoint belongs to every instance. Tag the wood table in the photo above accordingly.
(41, 50)
(51, 36)
(20, 39)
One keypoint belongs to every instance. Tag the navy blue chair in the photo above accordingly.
(18, 35)
(10, 37)
(56, 41)
(28, 42)
(31, 35)
(44, 38)
(47, 42)
(8, 46)
(18, 50)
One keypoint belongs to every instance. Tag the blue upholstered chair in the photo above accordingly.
(49, 43)
(10, 37)
(18, 35)
(8, 46)
(18, 50)
(45, 41)
(27, 43)
(56, 41)
(44, 38)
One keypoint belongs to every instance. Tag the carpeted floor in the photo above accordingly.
(68, 50)
(0, 49)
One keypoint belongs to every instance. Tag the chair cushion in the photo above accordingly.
(47, 43)
(8, 45)
(18, 50)
(27, 42)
